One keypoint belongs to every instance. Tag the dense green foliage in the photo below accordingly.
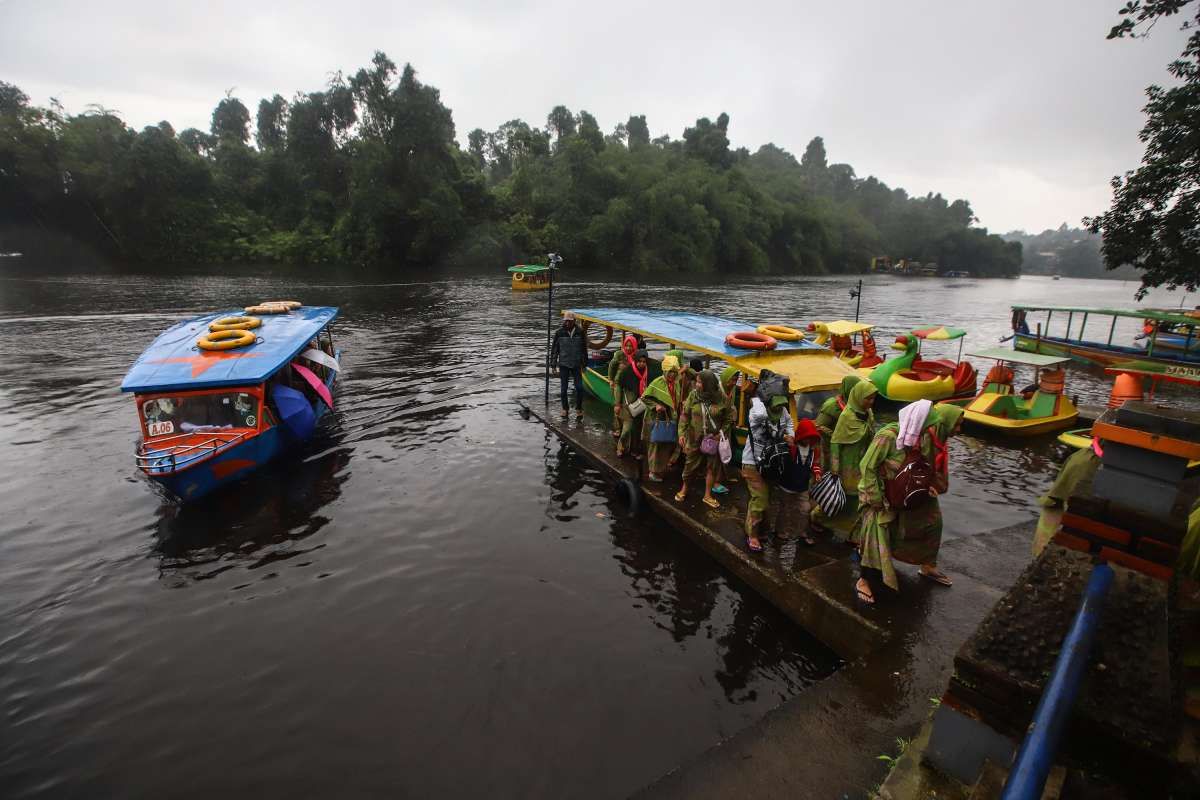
(1154, 221)
(1072, 252)
(369, 171)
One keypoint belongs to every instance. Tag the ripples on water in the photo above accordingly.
(436, 598)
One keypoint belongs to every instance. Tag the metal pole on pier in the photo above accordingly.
(552, 260)
(857, 294)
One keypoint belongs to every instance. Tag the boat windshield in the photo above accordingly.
(167, 414)
(808, 404)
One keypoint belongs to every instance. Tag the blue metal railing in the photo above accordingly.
(1032, 766)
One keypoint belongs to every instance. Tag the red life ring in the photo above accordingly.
(751, 340)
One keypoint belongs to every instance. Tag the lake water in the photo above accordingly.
(437, 598)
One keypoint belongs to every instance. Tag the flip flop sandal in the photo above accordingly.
(752, 546)
(719, 489)
(936, 577)
(808, 540)
(866, 598)
(711, 502)
(679, 498)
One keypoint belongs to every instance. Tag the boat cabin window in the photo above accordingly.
(167, 414)
(808, 404)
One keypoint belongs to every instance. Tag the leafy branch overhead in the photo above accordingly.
(369, 169)
(1154, 221)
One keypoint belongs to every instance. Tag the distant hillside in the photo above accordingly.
(1065, 251)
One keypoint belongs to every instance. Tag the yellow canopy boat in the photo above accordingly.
(1047, 408)
(530, 277)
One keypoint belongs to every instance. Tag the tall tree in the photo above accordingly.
(1154, 221)
(271, 127)
(231, 121)
(639, 131)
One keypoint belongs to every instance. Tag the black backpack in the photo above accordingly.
(773, 455)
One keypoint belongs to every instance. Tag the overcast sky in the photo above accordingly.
(1023, 108)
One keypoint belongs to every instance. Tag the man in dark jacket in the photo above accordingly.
(570, 351)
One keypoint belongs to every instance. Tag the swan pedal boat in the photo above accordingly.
(910, 377)
(208, 418)
(1002, 409)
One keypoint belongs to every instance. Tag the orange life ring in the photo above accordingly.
(608, 334)
(751, 340)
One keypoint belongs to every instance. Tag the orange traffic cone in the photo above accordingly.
(1125, 387)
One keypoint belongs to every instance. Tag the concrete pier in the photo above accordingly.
(824, 742)
(811, 585)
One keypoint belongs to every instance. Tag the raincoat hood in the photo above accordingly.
(855, 421)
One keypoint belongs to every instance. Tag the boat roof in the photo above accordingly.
(172, 362)
(939, 333)
(1019, 357)
(528, 268)
(1157, 315)
(808, 366)
(844, 327)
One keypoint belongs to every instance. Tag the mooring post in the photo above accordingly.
(858, 302)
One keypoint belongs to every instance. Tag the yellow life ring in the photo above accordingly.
(290, 305)
(226, 340)
(267, 309)
(235, 324)
(518, 277)
(781, 332)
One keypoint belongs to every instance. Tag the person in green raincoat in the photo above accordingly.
(629, 384)
(850, 438)
(663, 401)
(827, 418)
(883, 533)
(705, 413)
(1077, 473)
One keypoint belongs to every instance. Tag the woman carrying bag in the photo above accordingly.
(850, 440)
(660, 431)
(629, 385)
(705, 420)
(769, 424)
(903, 472)
(788, 511)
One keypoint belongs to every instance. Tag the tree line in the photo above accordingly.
(1070, 252)
(368, 170)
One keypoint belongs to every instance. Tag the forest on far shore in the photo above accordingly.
(368, 170)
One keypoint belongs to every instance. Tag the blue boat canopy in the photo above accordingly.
(174, 363)
(694, 331)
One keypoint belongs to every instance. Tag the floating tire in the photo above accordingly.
(630, 494)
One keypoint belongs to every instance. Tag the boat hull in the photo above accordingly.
(1108, 356)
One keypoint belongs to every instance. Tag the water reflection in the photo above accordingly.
(259, 522)
(685, 594)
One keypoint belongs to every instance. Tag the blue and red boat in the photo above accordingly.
(209, 417)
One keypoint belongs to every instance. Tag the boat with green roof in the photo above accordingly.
(1167, 341)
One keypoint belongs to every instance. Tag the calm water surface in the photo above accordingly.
(436, 598)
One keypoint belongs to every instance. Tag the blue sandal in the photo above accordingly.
(720, 489)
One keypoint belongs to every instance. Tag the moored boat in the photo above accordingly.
(910, 376)
(530, 277)
(850, 341)
(1168, 339)
(1042, 409)
(813, 372)
(222, 394)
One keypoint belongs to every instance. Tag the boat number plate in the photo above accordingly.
(159, 428)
